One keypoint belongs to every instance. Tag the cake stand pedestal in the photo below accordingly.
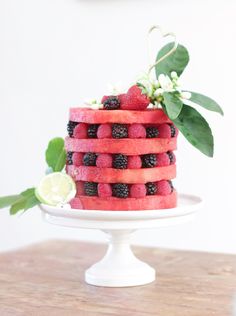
(120, 267)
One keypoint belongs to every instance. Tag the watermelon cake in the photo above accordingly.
(121, 156)
(120, 152)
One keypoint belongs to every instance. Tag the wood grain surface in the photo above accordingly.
(47, 279)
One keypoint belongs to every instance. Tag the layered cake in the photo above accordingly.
(122, 155)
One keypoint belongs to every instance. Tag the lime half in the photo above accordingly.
(56, 188)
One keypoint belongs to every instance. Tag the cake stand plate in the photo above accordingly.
(120, 267)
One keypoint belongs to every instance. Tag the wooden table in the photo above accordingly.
(47, 279)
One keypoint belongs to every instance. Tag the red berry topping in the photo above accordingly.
(164, 131)
(137, 131)
(104, 161)
(134, 162)
(79, 188)
(77, 159)
(81, 131)
(163, 187)
(138, 190)
(104, 98)
(135, 99)
(163, 160)
(122, 98)
(104, 190)
(104, 131)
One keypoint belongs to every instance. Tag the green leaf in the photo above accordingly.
(177, 61)
(195, 129)
(173, 104)
(6, 201)
(31, 202)
(205, 102)
(56, 154)
(18, 206)
(27, 200)
(28, 193)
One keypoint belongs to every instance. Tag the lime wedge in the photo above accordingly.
(56, 188)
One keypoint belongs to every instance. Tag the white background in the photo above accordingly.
(56, 53)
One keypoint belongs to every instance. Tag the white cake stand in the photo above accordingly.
(120, 267)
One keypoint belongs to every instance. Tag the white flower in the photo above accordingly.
(174, 75)
(158, 92)
(166, 83)
(94, 104)
(185, 95)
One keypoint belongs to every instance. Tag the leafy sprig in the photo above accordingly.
(55, 156)
(177, 103)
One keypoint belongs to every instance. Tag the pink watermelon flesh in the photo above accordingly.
(118, 116)
(124, 146)
(152, 202)
(111, 175)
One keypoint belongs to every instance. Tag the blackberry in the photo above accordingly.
(120, 190)
(151, 188)
(69, 159)
(119, 131)
(111, 103)
(149, 161)
(171, 185)
(120, 161)
(92, 130)
(70, 127)
(90, 159)
(171, 156)
(152, 132)
(91, 188)
(173, 130)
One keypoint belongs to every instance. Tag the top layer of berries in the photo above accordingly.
(134, 99)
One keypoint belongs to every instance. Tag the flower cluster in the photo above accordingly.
(155, 88)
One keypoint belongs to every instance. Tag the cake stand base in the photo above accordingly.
(120, 267)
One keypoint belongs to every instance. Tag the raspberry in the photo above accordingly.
(70, 127)
(77, 159)
(122, 98)
(104, 98)
(120, 161)
(69, 158)
(138, 191)
(137, 131)
(91, 188)
(171, 157)
(164, 131)
(135, 99)
(134, 162)
(163, 187)
(119, 131)
(79, 188)
(90, 159)
(151, 188)
(149, 161)
(111, 103)
(120, 190)
(92, 130)
(152, 132)
(104, 131)
(81, 130)
(173, 130)
(163, 160)
(104, 190)
(104, 161)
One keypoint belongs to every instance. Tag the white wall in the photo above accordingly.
(56, 53)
